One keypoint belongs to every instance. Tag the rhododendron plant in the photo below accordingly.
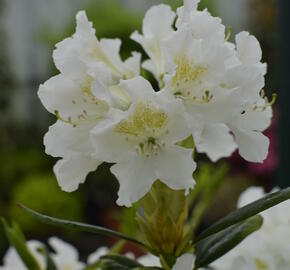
(209, 99)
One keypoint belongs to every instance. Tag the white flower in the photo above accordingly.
(149, 260)
(83, 46)
(157, 27)
(12, 261)
(146, 260)
(142, 143)
(202, 24)
(267, 248)
(185, 262)
(81, 96)
(95, 256)
(219, 84)
(66, 256)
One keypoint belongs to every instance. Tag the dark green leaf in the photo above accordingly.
(119, 262)
(123, 260)
(148, 268)
(246, 212)
(112, 265)
(17, 239)
(81, 226)
(215, 246)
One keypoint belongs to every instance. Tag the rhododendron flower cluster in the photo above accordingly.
(209, 88)
(206, 96)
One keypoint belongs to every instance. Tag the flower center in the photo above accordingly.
(188, 81)
(146, 126)
(260, 264)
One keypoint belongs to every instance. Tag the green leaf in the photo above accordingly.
(123, 260)
(215, 246)
(17, 239)
(246, 212)
(119, 262)
(81, 226)
(148, 268)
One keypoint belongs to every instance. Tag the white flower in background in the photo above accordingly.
(219, 83)
(81, 96)
(12, 261)
(66, 256)
(146, 260)
(185, 262)
(267, 248)
(95, 256)
(142, 143)
(149, 260)
(157, 27)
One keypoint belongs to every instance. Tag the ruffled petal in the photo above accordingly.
(216, 141)
(72, 172)
(135, 177)
(157, 26)
(253, 146)
(71, 99)
(158, 21)
(175, 166)
(60, 247)
(64, 140)
(255, 120)
(248, 48)
(66, 256)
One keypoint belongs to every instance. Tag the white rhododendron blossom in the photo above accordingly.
(219, 82)
(210, 88)
(149, 260)
(267, 248)
(142, 143)
(81, 96)
(65, 256)
(12, 261)
(157, 27)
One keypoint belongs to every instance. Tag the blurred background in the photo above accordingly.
(28, 31)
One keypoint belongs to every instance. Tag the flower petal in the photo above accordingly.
(216, 141)
(253, 146)
(138, 88)
(248, 48)
(72, 172)
(109, 145)
(66, 256)
(157, 26)
(255, 120)
(60, 247)
(71, 99)
(175, 166)
(64, 140)
(158, 21)
(135, 177)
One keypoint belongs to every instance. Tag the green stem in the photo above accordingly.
(164, 263)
